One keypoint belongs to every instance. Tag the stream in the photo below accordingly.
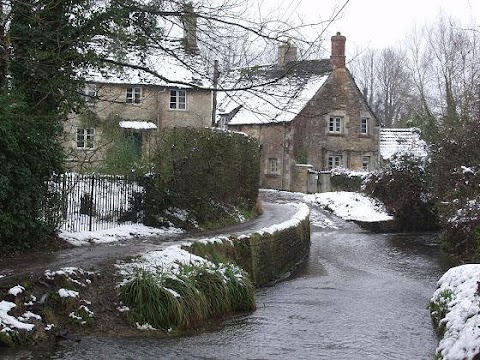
(358, 296)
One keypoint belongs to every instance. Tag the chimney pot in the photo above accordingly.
(337, 56)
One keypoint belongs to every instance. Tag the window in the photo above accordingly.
(273, 166)
(335, 125)
(90, 94)
(366, 163)
(334, 161)
(364, 126)
(178, 99)
(85, 138)
(134, 95)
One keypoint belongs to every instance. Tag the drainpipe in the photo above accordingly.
(283, 155)
(379, 155)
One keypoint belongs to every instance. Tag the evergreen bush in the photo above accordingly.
(30, 154)
(210, 174)
(403, 187)
(455, 159)
(346, 180)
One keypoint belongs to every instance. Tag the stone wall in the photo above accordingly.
(154, 106)
(272, 257)
(267, 256)
(276, 145)
(110, 107)
(339, 97)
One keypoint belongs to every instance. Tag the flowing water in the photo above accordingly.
(359, 296)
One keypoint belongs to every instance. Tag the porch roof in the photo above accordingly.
(137, 125)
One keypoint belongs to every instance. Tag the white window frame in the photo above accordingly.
(366, 160)
(334, 161)
(364, 125)
(90, 94)
(134, 95)
(178, 99)
(273, 166)
(335, 124)
(85, 138)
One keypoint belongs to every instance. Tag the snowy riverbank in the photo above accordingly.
(456, 303)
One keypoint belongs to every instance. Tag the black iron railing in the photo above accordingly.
(94, 202)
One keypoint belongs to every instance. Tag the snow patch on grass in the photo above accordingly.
(9, 322)
(116, 234)
(16, 290)
(65, 293)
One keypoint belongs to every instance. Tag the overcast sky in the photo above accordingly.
(377, 23)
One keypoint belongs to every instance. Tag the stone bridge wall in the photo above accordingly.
(272, 257)
(268, 255)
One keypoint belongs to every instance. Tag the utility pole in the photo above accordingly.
(216, 75)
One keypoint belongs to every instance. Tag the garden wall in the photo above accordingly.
(268, 255)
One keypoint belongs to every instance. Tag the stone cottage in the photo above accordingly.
(160, 90)
(308, 115)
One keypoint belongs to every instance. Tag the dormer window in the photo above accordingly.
(364, 126)
(178, 100)
(335, 125)
(134, 95)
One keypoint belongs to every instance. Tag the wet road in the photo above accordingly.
(92, 256)
(359, 296)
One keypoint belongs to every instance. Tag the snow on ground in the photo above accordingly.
(350, 205)
(118, 233)
(462, 321)
(9, 322)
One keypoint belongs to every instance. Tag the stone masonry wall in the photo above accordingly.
(339, 96)
(276, 143)
(271, 257)
(154, 107)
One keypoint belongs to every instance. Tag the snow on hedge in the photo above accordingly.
(461, 339)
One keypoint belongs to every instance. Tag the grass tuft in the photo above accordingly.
(182, 301)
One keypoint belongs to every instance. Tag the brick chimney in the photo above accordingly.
(190, 29)
(337, 57)
(287, 52)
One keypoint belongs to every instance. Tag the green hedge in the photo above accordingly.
(206, 172)
(29, 154)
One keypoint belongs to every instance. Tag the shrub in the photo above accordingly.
(455, 159)
(439, 308)
(151, 303)
(403, 187)
(30, 154)
(205, 172)
(346, 180)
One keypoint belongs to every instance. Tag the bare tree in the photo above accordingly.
(384, 78)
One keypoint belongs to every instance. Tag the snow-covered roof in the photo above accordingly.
(279, 97)
(138, 125)
(402, 141)
(168, 67)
